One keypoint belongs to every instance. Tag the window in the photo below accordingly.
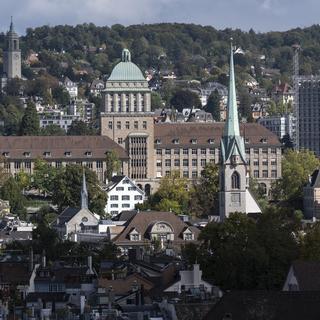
(110, 125)
(167, 173)
(132, 188)
(175, 141)
(247, 150)
(255, 162)
(256, 173)
(125, 205)
(88, 153)
(176, 151)
(158, 141)
(159, 151)
(211, 151)
(27, 154)
(114, 197)
(159, 163)
(194, 174)
(119, 125)
(176, 162)
(185, 151)
(125, 197)
(264, 162)
(168, 151)
(127, 125)
(194, 141)
(27, 164)
(168, 163)
(273, 173)
(265, 150)
(67, 154)
(273, 162)
(47, 154)
(17, 165)
(188, 236)
(119, 188)
(203, 162)
(134, 237)
(235, 180)
(58, 164)
(144, 124)
(135, 125)
(203, 151)
(194, 151)
(89, 165)
(211, 141)
(265, 173)
(120, 141)
(185, 162)
(138, 197)
(273, 150)
(194, 162)
(114, 205)
(113, 212)
(256, 151)
(5, 154)
(186, 174)
(99, 164)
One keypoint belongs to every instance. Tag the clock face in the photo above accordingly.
(16, 56)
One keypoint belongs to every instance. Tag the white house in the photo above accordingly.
(190, 280)
(71, 87)
(123, 194)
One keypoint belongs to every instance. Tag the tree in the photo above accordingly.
(287, 141)
(67, 185)
(245, 102)
(296, 167)
(310, 249)
(61, 95)
(30, 124)
(12, 191)
(113, 165)
(156, 101)
(52, 130)
(204, 197)
(185, 99)
(213, 105)
(80, 128)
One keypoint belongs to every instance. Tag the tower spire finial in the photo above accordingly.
(84, 192)
(11, 24)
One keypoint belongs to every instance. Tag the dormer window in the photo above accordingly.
(158, 141)
(67, 153)
(5, 154)
(194, 141)
(88, 153)
(263, 140)
(47, 154)
(135, 235)
(246, 140)
(211, 141)
(27, 154)
(175, 141)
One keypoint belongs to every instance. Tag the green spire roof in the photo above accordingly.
(232, 143)
(126, 70)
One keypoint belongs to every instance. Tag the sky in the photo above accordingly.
(260, 15)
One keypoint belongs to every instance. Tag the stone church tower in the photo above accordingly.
(233, 180)
(12, 55)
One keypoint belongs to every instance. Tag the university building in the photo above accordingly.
(156, 149)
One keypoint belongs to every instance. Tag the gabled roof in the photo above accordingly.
(315, 179)
(68, 213)
(307, 274)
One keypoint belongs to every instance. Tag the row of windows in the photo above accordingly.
(126, 125)
(57, 164)
(125, 197)
(27, 154)
(185, 151)
(256, 162)
(265, 174)
(185, 162)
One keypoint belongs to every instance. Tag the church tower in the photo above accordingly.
(233, 166)
(12, 55)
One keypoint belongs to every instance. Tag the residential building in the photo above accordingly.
(156, 149)
(280, 125)
(234, 195)
(311, 197)
(123, 194)
(308, 117)
(58, 118)
(206, 90)
(282, 93)
(96, 87)
(20, 153)
(71, 87)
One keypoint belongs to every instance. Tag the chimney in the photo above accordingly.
(90, 264)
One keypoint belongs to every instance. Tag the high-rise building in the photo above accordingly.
(308, 123)
(12, 55)
(233, 176)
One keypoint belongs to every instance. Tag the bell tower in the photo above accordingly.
(12, 55)
(233, 180)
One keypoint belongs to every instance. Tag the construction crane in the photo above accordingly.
(295, 80)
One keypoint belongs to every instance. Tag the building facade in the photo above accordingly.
(157, 149)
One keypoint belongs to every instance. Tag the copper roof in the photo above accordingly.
(203, 132)
(78, 146)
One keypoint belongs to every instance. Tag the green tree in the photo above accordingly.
(80, 128)
(61, 95)
(30, 124)
(67, 185)
(52, 130)
(204, 196)
(12, 191)
(113, 165)
(296, 167)
(156, 101)
(185, 99)
(213, 105)
(310, 249)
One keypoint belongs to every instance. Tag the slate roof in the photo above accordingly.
(48, 296)
(143, 220)
(16, 146)
(271, 305)
(307, 274)
(167, 132)
(14, 273)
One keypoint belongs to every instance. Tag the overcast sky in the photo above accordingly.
(261, 15)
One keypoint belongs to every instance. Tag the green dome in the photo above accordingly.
(126, 70)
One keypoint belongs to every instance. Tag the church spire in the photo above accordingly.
(232, 124)
(11, 25)
(84, 193)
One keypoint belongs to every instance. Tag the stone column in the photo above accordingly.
(139, 102)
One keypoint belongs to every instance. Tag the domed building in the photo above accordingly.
(127, 118)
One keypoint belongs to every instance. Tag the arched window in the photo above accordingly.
(235, 180)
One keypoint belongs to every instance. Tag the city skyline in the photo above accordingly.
(261, 15)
